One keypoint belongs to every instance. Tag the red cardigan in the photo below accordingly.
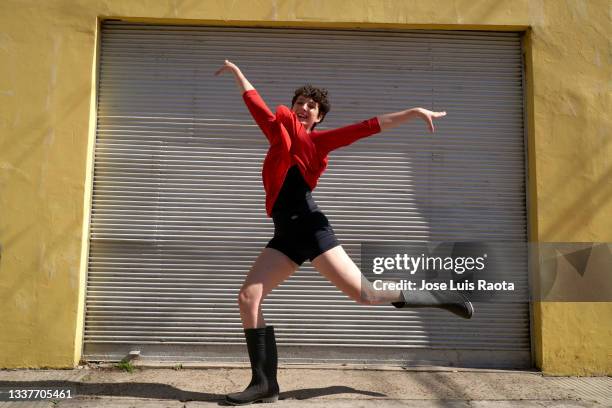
(290, 144)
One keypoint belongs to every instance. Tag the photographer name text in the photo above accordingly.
(480, 284)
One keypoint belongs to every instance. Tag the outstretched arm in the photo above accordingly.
(391, 120)
(328, 140)
(264, 118)
(243, 83)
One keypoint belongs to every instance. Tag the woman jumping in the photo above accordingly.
(296, 158)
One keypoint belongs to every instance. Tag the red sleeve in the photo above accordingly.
(287, 118)
(328, 140)
(259, 110)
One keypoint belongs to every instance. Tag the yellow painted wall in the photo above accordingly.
(47, 52)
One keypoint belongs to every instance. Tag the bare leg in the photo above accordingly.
(269, 270)
(339, 269)
(336, 266)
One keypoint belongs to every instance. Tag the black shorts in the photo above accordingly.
(302, 236)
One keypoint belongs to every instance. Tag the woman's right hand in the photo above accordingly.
(229, 67)
(243, 84)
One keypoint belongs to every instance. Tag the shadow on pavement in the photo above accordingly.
(121, 389)
(308, 393)
(168, 392)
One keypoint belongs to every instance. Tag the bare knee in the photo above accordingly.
(249, 298)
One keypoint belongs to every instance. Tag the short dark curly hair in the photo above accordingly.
(319, 95)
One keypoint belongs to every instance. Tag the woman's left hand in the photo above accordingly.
(428, 116)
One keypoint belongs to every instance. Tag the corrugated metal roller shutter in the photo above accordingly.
(178, 207)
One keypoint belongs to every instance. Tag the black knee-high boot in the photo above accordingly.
(449, 300)
(272, 361)
(263, 387)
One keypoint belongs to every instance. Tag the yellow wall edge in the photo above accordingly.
(532, 196)
(87, 200)
(346, 25)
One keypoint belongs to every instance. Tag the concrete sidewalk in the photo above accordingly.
(306, 386)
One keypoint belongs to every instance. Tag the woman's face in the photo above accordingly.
(307, 111)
